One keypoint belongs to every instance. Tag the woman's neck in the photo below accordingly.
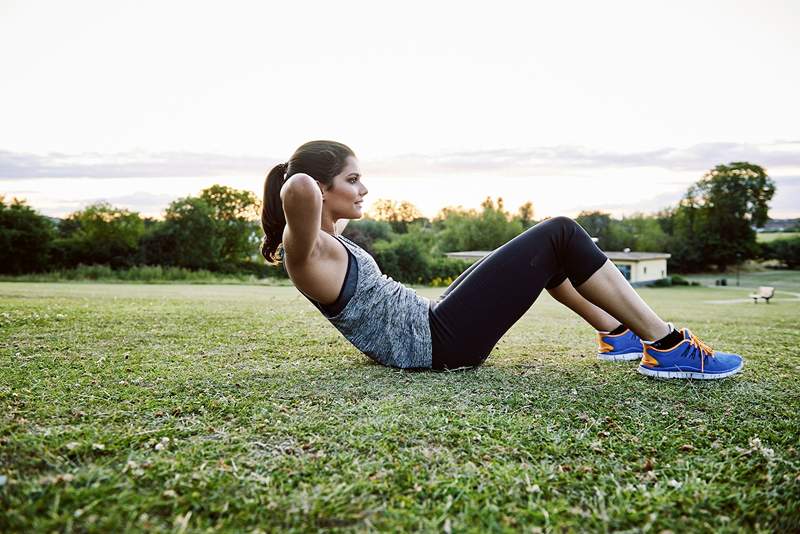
(328, 224)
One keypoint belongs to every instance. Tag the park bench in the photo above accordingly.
(763, 292)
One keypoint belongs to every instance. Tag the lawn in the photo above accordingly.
(780, 279)
(190, 408)
(766, 237)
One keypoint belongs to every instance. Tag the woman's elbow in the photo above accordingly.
(299, 183)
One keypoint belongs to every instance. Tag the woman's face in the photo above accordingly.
(344, 200)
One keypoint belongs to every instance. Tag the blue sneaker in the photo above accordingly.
(691, 358)
(618, 348)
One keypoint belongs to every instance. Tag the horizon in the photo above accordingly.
(572, 107)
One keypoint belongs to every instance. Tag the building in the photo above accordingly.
(639, 268)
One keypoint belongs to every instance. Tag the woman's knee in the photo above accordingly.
(556, 226)
(562, 221)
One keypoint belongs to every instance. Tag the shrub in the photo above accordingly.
(674, 280)
(662, 282)
(787, 251)
(365, 232)
(404, 259)
(446, 268)
(142, 273)
(258, 269)
(440, 282)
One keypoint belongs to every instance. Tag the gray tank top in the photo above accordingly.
(381, 317)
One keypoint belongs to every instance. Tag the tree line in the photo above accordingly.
(215, 231)
(712, 227)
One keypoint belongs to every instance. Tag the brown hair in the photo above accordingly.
(322, 160)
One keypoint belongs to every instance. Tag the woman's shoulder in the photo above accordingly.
(321, 275)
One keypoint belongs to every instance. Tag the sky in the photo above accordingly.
(616, 106)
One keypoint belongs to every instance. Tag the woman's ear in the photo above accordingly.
(321, 190)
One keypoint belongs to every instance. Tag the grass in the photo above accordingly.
(765, 237)
(239, 408)
(147, 274)
(781, 280)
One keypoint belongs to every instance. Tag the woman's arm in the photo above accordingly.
(302, 207)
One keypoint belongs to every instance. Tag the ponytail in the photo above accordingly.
(273, 220)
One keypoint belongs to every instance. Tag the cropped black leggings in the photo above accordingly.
(487, 299)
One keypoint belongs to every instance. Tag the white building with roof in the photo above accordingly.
(640, 268)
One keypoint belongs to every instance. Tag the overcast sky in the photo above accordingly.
(570, 105)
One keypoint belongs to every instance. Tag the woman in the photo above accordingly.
(308, 202)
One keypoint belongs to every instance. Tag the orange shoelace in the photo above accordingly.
(705, 350)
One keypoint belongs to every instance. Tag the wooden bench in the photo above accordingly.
(763, 292)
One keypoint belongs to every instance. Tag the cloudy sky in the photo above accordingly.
(571, 105)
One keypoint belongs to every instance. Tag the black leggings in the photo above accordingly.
(487, 299)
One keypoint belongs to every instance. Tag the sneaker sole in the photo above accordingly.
(620, 357)
(688, 374)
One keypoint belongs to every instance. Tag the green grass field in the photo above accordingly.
(780, 279)
(774, 236)
(240, 408)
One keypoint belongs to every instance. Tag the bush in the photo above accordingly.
(461, 229)
(662, 282)
(445, 268)
(674, 280)
(365, 232)
(143, 273)
(439, 282)
(404, 259)
(786, 251)
(258, 269)
(678, 280)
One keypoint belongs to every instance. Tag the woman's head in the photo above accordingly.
(334, 166)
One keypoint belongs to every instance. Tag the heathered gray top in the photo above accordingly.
(384, 319)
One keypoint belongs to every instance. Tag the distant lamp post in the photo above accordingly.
(738, 260)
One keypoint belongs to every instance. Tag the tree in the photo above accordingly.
(648, 234)
(597, 224)
(721, 210)
(525, 215)
(367, 231)
(235, 213)
(187, 237)
(406, 258)
(638, 232)
(685, 243)
(397, 214)
(462, 229)
(100, 234)
(25, 238)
